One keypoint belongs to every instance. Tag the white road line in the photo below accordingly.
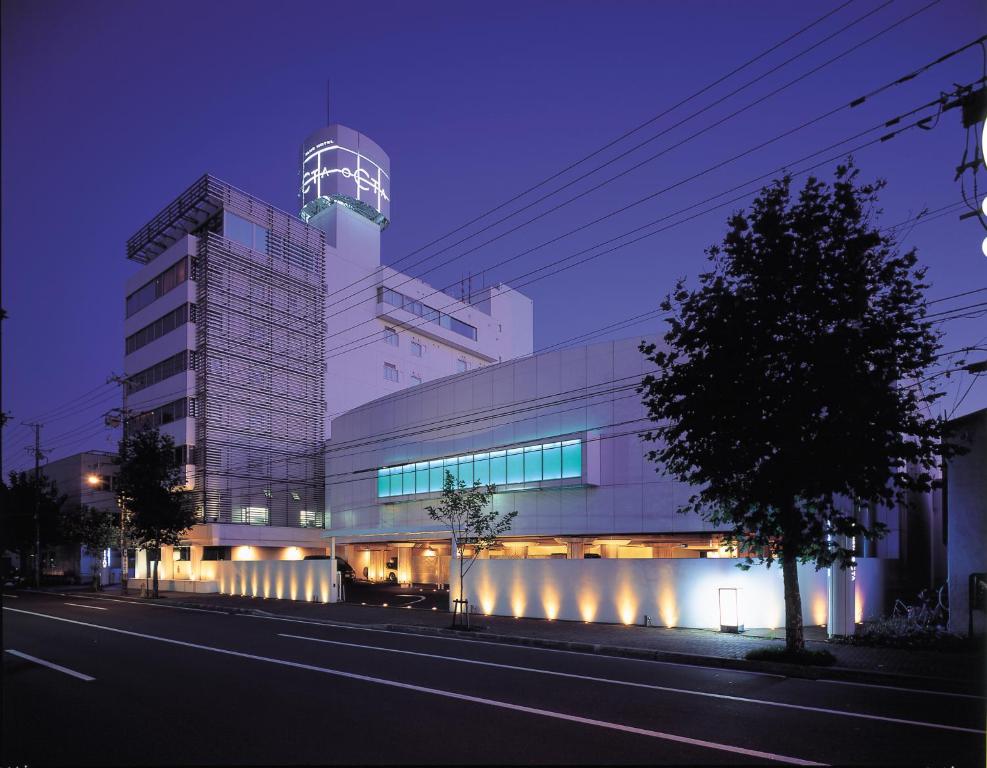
(13, 596)
(725, 670)
(665, 688)
(133, 602)
(50, 665)
(907, 690)
(446, 694)
(90, 607)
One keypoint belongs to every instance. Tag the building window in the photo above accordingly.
(416, 349)
(391, 372)
(244, 232)
(252, 516)
(512, 466)
(164, 414)
(415, 307)
(306, 519)
(391, 337)
(416, 379)
(462, 366)
(215, 553)
(167, 368)
(171, 278)
(164, 324)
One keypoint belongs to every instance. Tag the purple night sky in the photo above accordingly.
(110, 109)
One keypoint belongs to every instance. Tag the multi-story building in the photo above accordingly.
(247, 328)
(85, 479)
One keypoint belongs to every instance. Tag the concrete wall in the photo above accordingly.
(278, 579)
(674, 593)
(966, 514)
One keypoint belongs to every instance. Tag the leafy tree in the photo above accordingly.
(19, 497)
(783, 392)
(149, 488)
(95, 529)
(474, 527)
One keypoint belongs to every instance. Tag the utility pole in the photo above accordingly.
(124, 559)
(37, 502)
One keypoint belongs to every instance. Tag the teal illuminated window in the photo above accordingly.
(572, 458)
(452, 467)
(435, 475)
(515, 465)
(530, 464)
(481, 468)
(551, 461)
(466, 469)
(498, 467)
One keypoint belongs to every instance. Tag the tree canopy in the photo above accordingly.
(17, 498)
(785, 389)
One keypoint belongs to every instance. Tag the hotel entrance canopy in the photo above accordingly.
(398, 533)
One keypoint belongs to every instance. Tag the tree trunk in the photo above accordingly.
(794, 637)
(154, 578)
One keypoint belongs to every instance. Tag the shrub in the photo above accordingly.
(902, 632)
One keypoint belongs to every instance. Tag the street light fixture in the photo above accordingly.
(94, 480)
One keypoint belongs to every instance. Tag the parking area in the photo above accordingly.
(419, 596)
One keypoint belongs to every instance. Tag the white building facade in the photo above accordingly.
(597, 537)
(247, 328)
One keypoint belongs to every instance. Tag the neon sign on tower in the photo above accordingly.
(340, 165)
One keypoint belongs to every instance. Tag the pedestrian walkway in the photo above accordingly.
(699, 644)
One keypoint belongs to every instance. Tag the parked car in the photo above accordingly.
(342, 567)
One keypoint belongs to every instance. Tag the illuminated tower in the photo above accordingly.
(342, 166)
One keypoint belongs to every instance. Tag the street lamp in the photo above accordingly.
(93, 480)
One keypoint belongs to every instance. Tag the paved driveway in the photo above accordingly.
(420, 596)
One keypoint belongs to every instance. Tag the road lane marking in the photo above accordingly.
(331, 625)
(907, 690)
(130, 602)
(650, 686)
(50, 665)
(90, 607)
(13, 596)
(445, 694)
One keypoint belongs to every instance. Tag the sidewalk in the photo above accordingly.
(941, 669)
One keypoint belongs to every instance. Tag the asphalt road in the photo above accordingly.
(144, 684)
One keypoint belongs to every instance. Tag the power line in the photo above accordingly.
(615, 141)
(348, 346)
(668, 149)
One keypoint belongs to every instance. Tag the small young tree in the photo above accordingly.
(784, 392)
(149, 488)
(474, 527)
(95, 529)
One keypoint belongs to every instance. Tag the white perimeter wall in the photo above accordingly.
(278, 579)
(673, 592)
